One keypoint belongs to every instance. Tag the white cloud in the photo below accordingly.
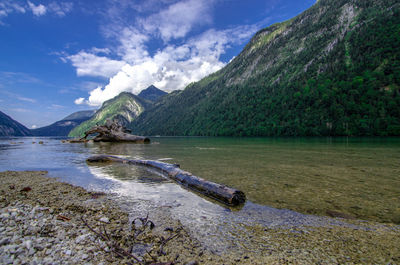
(37, 10)
(179, 19)
(173, 66)
(79, 101)
(88, 64)
(34, 126)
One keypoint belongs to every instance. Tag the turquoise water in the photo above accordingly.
(359, 177)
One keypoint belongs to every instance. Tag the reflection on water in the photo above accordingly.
(356, 176)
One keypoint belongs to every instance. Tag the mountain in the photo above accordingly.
(152, 93)
(80, 115)
(64, 126)
(10, 127)
(332, 70)
(124, 108)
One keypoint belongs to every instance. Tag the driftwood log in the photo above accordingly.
(222, 193)
(113, 132)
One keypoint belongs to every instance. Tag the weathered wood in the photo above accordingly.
(219, 192)
(113, 132)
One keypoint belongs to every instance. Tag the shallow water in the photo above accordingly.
(358, 177)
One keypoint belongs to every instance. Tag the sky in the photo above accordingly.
(58, 57)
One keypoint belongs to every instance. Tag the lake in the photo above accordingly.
(314, 177)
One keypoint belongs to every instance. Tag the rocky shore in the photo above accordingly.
(43, 221)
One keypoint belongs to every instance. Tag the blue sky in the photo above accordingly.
(58, 57)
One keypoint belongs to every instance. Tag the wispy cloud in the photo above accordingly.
(8, 7)
(37, 10)
(56, 106)
(178, 19)
(17, 97)
(31, 100)
(57, 8)
(17, 77)
(21, 110)
(61, 9)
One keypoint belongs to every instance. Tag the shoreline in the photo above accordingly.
(50, 222)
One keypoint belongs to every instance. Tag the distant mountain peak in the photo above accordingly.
(80, 115)
(152, 93)
(64, 126)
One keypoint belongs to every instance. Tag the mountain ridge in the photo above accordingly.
(63, 127)
(10, 127)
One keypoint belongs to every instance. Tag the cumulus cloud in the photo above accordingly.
(37, 10)
(171, 67)
(89, 64)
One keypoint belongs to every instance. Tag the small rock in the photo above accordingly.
(80, 239)
(4, 241)
(68, 252)
(104, 220)
(192, 263)
(5, 216)
(31, 252)
(28, 244)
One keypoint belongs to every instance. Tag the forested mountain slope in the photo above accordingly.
(332, 70)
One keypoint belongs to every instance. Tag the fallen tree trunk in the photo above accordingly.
(216, 191)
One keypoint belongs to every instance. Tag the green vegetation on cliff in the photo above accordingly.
(124, 108)
(332, 70)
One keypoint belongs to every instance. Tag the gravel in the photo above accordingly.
(43, 221)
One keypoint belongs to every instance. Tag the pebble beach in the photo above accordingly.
(44, 221)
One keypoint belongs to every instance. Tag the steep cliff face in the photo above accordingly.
(10, 127)
(124, 108)
(332, 70)
(64, 126)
